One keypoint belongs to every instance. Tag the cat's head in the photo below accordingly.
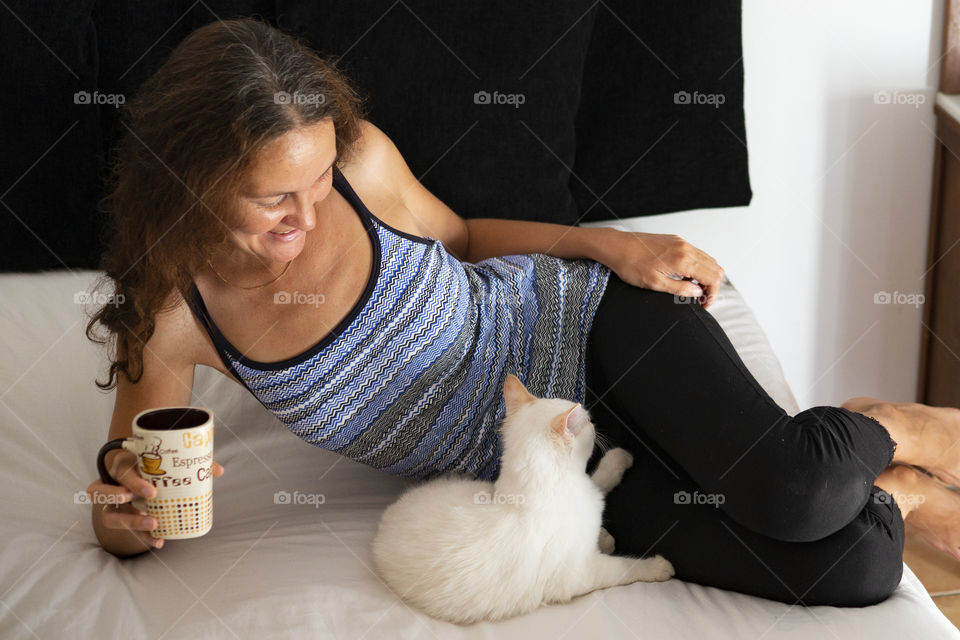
(562, 425)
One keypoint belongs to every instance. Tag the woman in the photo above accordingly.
(261, 227)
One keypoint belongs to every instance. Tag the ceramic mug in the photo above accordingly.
(174, 447)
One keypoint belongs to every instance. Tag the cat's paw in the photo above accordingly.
(620, 458)
(605, 542)
(655, 569)
(661, 569)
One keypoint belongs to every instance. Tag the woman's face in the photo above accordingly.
(277, 200)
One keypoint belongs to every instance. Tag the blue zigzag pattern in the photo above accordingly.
(414, 384)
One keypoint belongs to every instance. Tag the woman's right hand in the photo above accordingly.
(121, 528)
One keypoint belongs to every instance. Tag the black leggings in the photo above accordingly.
(725, 484)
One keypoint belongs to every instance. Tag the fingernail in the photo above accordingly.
(697, 292)
(147, 491)
(148, 523)
(158, 543)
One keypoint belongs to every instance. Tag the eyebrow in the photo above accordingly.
(280, 193)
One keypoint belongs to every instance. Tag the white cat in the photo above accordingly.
(465, 550)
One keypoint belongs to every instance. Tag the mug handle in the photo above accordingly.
(116, 443)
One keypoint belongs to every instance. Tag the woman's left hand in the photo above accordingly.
(649, 260)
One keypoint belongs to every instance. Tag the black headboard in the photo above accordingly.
(548, 110)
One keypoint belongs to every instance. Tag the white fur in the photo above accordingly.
(465, 550)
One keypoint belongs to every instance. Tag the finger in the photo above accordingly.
(134, 520)
(707, 275)
(710, 295)
(709, 280)
(704, 267)
(683, 288)
(217, 470)
(126, 473)
(128, 517)
(108, 494)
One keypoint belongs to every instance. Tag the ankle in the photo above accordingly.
(905, 485)
(899, 429)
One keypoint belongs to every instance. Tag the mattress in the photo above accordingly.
(301, 567)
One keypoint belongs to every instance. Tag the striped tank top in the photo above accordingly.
(411, 380)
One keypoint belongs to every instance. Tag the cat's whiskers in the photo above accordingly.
(602, 442)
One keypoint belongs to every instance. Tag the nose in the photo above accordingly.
(304, 217)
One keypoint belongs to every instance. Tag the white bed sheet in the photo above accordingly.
(271, 570)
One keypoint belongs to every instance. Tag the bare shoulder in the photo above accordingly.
(178, 338)
(376, 163)
(384, 182)
(379, 174)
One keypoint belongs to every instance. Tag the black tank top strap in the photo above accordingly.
(199, 309)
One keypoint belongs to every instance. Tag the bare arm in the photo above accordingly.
(168, 368)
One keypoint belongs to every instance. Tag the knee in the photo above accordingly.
(802, 508)
(810, 491)
(868, 573)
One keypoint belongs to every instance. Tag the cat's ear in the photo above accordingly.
(565, 427)
(515, 394)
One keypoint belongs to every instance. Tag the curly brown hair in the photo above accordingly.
(188, 137)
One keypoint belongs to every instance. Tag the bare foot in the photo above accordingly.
(929, 509)
(926, 436)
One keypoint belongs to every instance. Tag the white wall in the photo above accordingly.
(841, 189)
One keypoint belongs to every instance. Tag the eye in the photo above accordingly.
(276, 203)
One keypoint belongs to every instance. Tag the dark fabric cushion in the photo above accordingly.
(422, 64)
(48, 209)
(135, 38)
(48, 159)
(594, 98)
(641, 149)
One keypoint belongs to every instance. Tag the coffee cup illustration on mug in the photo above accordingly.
(174, 446)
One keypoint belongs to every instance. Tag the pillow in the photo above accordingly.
(480, 98)
(660, 126)
(50, 132)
